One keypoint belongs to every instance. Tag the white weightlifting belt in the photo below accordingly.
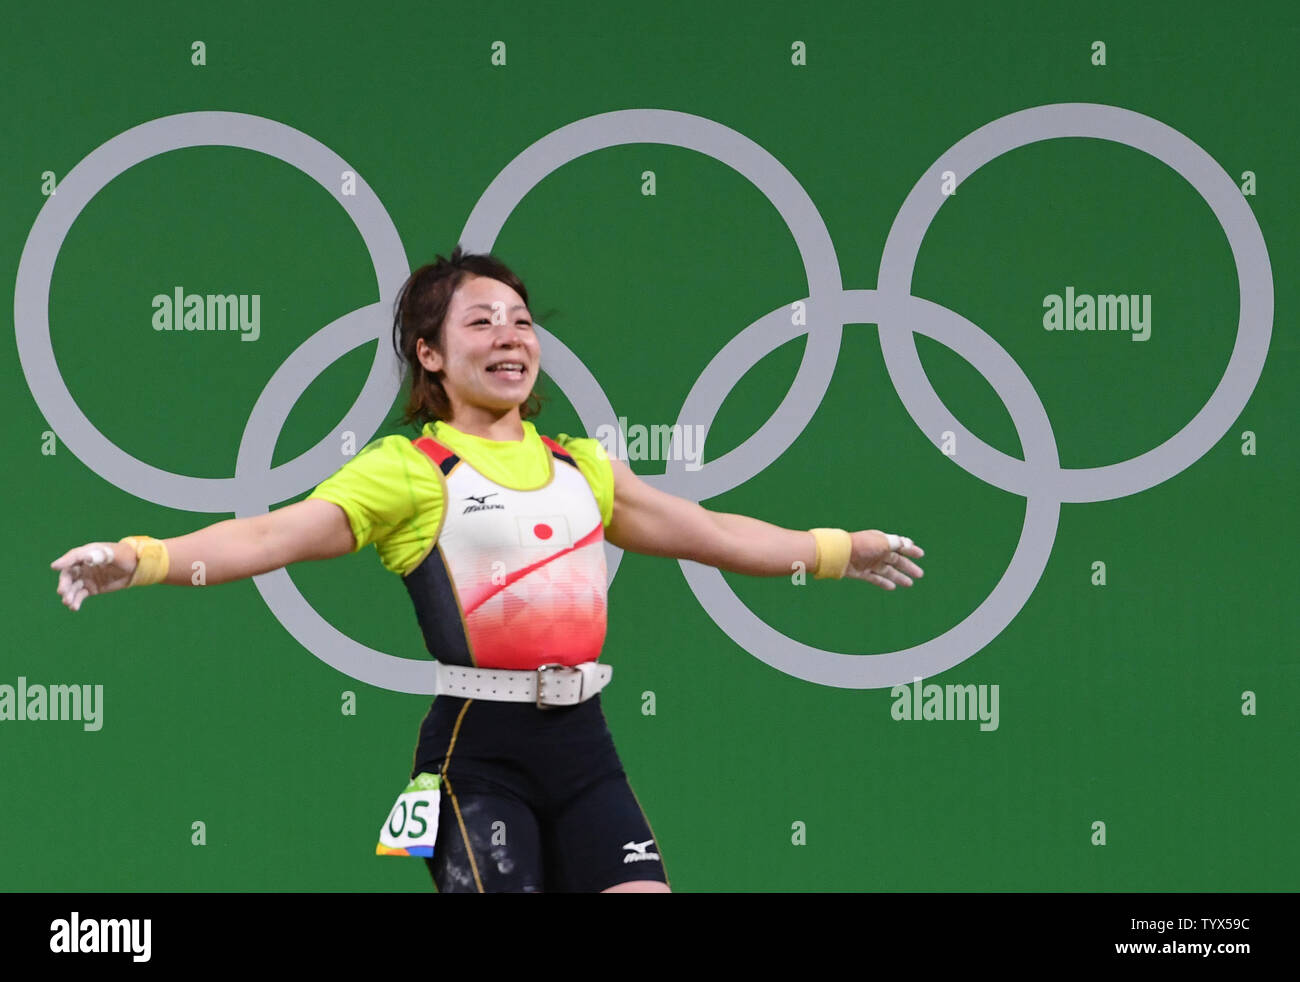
(546, 686)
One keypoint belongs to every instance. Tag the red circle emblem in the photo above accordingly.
(542, 531)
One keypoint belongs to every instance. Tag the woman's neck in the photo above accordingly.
(505, 427)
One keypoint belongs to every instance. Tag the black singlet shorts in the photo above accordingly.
(533, 800)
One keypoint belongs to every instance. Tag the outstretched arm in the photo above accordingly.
(653, 522)
(229, 550)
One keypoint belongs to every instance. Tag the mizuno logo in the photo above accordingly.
(638, 852)
(480, 506)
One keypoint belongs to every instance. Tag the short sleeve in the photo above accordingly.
(593, 461)
(392, 497)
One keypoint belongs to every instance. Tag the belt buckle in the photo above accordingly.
(541, 680)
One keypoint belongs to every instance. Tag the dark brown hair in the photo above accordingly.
(420, 312)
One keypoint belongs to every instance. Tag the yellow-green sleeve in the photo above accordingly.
(593, 461)
(392, 497)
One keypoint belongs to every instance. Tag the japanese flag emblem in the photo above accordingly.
(545, 531)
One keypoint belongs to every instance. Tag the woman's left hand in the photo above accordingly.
(884, 559)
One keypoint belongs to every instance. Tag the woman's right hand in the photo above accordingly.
(96, 567)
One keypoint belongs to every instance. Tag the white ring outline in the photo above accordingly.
(886, 306)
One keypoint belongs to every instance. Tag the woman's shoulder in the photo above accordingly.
(584, 447)
(392, 456)
(391, 447)
(593, 461)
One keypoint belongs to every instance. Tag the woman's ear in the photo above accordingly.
(429, 356)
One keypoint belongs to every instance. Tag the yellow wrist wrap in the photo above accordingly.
(152, 560)
(834, 547)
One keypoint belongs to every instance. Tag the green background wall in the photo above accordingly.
(1118, 703)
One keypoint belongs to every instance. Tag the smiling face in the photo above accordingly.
(489, 357)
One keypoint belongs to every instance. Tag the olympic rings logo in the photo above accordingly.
(1039, 478)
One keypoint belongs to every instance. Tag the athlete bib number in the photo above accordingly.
(412, 825)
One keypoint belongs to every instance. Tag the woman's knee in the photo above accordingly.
(638, 886)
